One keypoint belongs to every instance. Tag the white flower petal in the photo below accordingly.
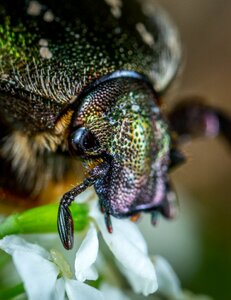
(129, 247)
(11, 243)
(112, 293)
(86, 256)
(143, 282)
(130, 229)
(168, 282)
(38, 273)
(59, 293)
(81, 291)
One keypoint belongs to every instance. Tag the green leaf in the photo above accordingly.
(42, 219)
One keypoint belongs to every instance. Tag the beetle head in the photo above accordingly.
(119, 122)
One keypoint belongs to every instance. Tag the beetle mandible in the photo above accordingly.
(86, 78)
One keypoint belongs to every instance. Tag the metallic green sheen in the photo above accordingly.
(133, 137)
(51, 50)
(95, 68)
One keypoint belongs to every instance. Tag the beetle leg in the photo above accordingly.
(65, 220)
(102, 209)
(168, 206)
(176, 158)
(194, 118)
(107, 218)
(154, 217)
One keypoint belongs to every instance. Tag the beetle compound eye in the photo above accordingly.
(83, 141)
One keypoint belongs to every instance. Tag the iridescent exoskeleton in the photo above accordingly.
(84, 79)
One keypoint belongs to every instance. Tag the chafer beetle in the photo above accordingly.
(86, 78)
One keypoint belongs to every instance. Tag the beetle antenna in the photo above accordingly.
(65, 220)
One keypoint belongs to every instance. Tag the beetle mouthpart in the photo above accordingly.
(108, 223)
(154, 217)
(65, 227)
(135, 217)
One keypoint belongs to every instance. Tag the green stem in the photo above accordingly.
(11, 292)
(42, 219)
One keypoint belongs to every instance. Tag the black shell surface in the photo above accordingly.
(50, 50)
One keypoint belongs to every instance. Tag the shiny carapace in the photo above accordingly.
(85, 79)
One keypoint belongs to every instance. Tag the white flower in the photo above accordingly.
(86, 256)
(47, 275)
(168, 282)
(129, 248)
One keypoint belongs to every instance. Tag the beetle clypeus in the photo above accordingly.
(85, 78)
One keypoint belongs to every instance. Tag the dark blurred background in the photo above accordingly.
(205, 28)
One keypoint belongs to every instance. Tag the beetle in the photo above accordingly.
(86, 79)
